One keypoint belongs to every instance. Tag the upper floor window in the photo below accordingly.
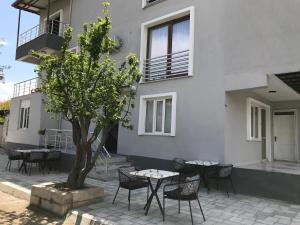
(24, 114)
(167, 47)
(149, 2)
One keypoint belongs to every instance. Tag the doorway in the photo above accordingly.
(285, 135)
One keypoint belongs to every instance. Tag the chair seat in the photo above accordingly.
(134, 184)
(176, 195)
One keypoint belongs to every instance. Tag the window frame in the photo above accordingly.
(24, 114)
(142, 114)
(189, 11)
(256, 104)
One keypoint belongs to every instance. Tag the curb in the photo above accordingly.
(79, 217)
(15, 190)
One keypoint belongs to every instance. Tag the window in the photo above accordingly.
(149, 2)
(158, 114)
(24, 114)
(256, 112)
(167, 46)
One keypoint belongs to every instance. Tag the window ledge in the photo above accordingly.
(146, 5)
(158, 134)
(254, 140)
(167, 79)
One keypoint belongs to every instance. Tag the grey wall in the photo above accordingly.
(38, 119)
(233, 38)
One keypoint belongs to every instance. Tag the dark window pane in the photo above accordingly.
(159, 113)
(168, 115)
(149, 117)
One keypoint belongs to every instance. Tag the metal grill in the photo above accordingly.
(168, 66)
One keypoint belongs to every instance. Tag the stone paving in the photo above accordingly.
(218, 208)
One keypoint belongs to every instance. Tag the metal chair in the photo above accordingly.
(183, 191)
(51, 158)
(222, 173)
(36, 158)
(13, 155)
(130, 182)
(183, 169)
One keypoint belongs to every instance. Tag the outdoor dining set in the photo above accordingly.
(182, 184)
(42, 158)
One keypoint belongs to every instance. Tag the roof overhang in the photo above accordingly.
(33, 6)
(291, 79)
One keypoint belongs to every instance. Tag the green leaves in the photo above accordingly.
(88, 85)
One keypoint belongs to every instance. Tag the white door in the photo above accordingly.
(284, 136)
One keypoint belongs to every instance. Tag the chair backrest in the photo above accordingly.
(191, 185)
(124, 173)
(225, 170)
(53, 155)
(178, 164)
(36, 156)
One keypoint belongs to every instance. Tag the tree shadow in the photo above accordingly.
(31, 216)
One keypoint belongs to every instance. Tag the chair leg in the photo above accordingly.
(129, 193)
(178, 206)
(147, 193)
(227, 189)
(164, 208)
(9, 165)
(6, 167)
(200, 208)
(30, 168)
(232, 186)
(116, 195)
(191, 212)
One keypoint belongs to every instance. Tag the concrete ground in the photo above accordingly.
(15, 211)
(218, 208)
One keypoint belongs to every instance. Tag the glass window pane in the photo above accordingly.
(159, 113)
(158, 42)
(21, 117)
(256, 122)
(180, 45)
(149, 117)
(181, 36)
(168, 115)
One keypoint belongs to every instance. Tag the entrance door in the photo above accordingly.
(285, 136)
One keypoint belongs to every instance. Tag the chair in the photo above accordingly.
(130, 182)
(183, 191)
(222, 173)
(182, 168)
(13, 155)
(51, 158)
(37, 158)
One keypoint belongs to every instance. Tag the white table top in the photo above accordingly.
(154, 173)
(33, 150)
(202, 163)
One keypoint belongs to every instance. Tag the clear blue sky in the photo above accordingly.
(8, 30)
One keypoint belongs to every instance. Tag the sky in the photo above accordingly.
(19, 71)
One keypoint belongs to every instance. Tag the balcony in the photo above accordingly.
(166, 67)
(46, 37)
(26, 87)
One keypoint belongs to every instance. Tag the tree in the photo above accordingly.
(89, 88)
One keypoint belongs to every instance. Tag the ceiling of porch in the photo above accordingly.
(280, 88)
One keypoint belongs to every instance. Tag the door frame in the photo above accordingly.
(296, 131)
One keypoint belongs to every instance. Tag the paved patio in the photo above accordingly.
(218, 209)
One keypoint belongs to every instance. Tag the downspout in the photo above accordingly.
(18, 32)
(71, 11)
(48, 16)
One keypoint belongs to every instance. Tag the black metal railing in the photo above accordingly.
(50, 27)
(165, 67)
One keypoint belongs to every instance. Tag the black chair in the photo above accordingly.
(52, 158)
(222, 173)
(183, 191)
(13, 155)
(37, 158)
(130, 182)
(183, 169)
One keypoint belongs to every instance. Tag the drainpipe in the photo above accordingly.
(18, 32)
(71, 11)
(48, 16)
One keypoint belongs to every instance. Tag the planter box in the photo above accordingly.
(47, 197)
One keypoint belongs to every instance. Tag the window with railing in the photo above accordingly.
(168, 50)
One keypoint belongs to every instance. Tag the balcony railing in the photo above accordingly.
(50, 27)
(26, 87)
(165, 67)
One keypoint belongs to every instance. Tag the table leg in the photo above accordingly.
(202, 174)
(153, 193)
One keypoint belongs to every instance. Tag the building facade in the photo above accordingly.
(220, 78)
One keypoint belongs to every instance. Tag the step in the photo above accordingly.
(113, 166)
